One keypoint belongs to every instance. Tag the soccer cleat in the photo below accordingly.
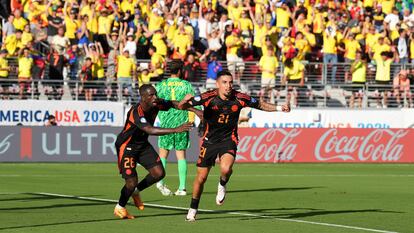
(137, 200)
(180, 192)
(122, 213)
(221, 194)
(165, 191)
(191, 215)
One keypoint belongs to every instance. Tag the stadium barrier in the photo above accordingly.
(304, 145)
(323, 88)
(103, 113)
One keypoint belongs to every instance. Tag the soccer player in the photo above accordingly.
(133, 147)
(174, 88)
(221, 113)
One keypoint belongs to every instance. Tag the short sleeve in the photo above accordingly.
(136, 116)
(203, 99)
(247, 101)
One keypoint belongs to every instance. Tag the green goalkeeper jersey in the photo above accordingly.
(173, 89)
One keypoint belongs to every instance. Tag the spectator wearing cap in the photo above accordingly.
(4, 74)
(234, 61)
(379, 17)
(213, 68)
(19, 22)
(8, 27)
(54, 21)
(13, 42)
(72, 23)
(130, 43)
(126, 72)
(379, 47)
(214, 40)
(105, 20)
(155, 19)
(268, 65)
(25, 64)
(157, 63)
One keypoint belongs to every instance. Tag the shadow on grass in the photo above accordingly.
(264, 214)
(268, 190)
(89, 221)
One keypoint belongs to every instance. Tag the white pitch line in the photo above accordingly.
(220, 212)
(241, 175)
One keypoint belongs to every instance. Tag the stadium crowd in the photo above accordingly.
(104, 40)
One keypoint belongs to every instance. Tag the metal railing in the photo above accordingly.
(320, 89)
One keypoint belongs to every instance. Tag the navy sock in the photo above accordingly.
(194, 203)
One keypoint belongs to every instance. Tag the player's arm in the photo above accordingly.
(268, 107)
(198, 112)
(163, 131)
(185, 103)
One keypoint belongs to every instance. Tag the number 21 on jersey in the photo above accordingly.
(223, 119)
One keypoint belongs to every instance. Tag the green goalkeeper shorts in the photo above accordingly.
(177, 141)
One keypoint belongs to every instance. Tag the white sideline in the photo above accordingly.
(223, 212)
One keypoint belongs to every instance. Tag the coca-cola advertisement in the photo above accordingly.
(278, 145)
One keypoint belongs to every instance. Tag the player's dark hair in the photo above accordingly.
(223, 73)
(153, 48)
(144, 88)
(175, 66)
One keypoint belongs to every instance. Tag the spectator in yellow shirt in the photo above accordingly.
(24, 71)
(157, 64)
(359, 73)
(126, 68)
(13, 42)
(268, 66)
(383, 77)
(19, 22)
(4, 75)
(27, 36)
(330, 50)
(293, 73)
(234, 61)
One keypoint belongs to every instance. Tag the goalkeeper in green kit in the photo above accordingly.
(174, 88)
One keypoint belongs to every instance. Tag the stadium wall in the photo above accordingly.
(264, 145)
(102, 113)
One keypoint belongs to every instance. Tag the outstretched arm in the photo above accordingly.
(163, 131)
(187, 106)
(264, 106)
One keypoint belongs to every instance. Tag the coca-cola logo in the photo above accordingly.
(265, 147)
(378, 145)
(5, 144)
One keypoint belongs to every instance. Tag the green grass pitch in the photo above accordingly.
(261, 198)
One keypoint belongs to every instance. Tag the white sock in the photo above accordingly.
(118, 206)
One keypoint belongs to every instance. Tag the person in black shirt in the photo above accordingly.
(54, 22)
(87, 78)
(132, 146)
(222, 108)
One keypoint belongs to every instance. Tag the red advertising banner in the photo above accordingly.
(316, 145)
